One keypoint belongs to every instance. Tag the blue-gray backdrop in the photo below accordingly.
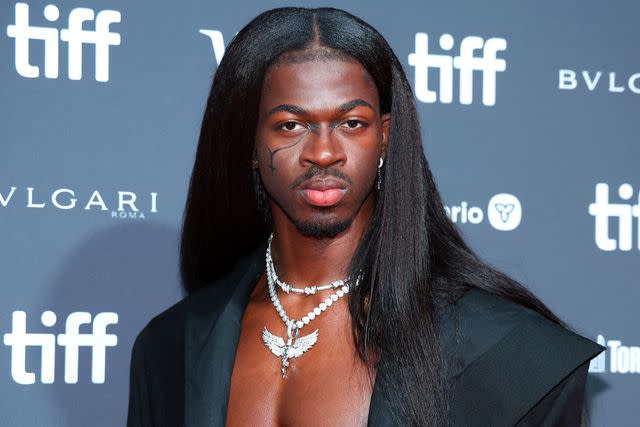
(529, 115)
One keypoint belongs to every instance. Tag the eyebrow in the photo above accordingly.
(343, 108)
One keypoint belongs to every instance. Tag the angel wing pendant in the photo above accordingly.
(290, 349)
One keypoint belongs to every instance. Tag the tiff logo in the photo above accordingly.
(74, 35)
(18, 339)
(466, 62)
(603, 211)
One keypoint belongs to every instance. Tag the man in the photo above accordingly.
(328, 286)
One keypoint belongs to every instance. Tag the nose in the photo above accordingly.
(322, 148)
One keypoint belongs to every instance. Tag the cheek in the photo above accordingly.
(277, 181)
(365, 164)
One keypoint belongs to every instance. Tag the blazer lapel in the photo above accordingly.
(213, 323)
(506, 381)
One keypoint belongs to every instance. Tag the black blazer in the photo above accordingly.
(515, 367)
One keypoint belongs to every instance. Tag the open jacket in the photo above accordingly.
(514, 366)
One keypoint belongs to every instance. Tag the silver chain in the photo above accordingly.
(272, 279)
(287, 288)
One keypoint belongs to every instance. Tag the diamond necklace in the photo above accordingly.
(307, 290)
(290, 349)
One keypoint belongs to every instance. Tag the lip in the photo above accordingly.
(323, 191)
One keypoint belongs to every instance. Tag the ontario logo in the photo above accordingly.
(117, 204)
(503, 212)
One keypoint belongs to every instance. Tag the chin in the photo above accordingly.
(322, 229)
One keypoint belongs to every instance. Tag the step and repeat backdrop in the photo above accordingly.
(529, 114)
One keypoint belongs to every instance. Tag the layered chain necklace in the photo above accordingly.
(292, 349)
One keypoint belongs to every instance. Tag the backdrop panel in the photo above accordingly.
(529, 115)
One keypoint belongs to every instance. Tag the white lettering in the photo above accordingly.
(56, 203)
(632, 83)
(98, 340)
(567, 80)
(154, 200)
(475, 215)
(504, 212)
(603, 211)
(4, 201)
(591, 84)
(18, 339)
(612, 84)
(217, 42)
(30, 203)
(127, 198)
(75, 36)
(96, 199)
(467, 63)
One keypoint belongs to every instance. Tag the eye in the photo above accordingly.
(353, 124)
(289, 126)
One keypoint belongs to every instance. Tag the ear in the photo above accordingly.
(386, 121)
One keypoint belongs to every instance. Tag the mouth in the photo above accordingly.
(323, 191)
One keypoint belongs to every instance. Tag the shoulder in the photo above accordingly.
(166, 330)
(165, 333)
(505, 358)
(481, 324)
(477, 322)
(159, 345)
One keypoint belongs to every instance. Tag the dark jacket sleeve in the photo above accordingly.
(534, 374)
(139, 413)
(563, 405)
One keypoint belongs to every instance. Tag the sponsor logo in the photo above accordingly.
(466, 63)
(613, 83)
(122, 205)
(217, 43)
(622, 359)
(603, 211)
(75, 36)
(504, 212)
(71, 340)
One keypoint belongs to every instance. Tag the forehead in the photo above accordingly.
(317, 84)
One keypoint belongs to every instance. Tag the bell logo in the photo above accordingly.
(75, 37)
(18, 339)
(489, 64)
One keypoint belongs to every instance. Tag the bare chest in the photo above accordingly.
(327, 385)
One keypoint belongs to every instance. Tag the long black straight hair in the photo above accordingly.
(411, 253)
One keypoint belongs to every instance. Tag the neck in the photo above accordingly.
(301, 260)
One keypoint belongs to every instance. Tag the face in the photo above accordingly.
(319, 138)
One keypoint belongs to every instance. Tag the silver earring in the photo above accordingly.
(379, 180)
